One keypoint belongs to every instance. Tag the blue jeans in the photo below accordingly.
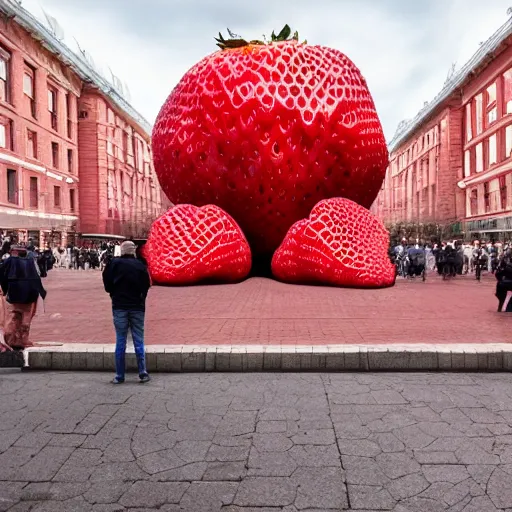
(133, 320)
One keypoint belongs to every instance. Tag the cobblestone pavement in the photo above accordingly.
(256, 443)
(262, 312)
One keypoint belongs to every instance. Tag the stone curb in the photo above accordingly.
(254, 358)
(11, 359)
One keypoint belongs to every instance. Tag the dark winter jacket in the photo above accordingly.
(126, 279)
(20, 281)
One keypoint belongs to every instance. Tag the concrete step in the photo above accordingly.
(11, 359)
(254, 358)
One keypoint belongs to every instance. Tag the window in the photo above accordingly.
(469, 126)
(492, 116)
(494, 195)
(508, 141)
(493, 149)
(118, 152)
(433, 205)
(474, 202)
(28, 87)
(52, 106)
(28, 84)
(12, 186)
(69, 130)
(491, 108)
(478, 114)
(487, 198)
(111, 118)
(135, 156)
(34, 193)
(56, 197)
(110, 141)
(125, 146)
(6, 134)
(140, 155)
(55, 155)
(479, 155)
(72, 200)
(70, 160)
(5, 59)
(507, 92)
(503, 192)
(467, 163)
(31, 144)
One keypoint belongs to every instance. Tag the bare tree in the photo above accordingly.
(138, 227)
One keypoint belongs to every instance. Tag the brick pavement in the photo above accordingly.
(256, 443)
(261, 311)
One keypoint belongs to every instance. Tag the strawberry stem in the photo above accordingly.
(235, 41)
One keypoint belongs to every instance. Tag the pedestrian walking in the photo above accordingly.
(504, 278)
(126, 279)
(21, 288)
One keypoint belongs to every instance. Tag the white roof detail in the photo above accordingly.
(405, 130)
(78, 63)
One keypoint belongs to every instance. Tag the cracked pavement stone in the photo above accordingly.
(256, 443)
(266, 492)
(153, 494)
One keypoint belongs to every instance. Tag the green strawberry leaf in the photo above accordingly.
(237, 41)
(285, 33)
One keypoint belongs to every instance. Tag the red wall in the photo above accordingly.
(453, 179)
(420, 183)
(118, 185)
(16, 111)
(114, 186)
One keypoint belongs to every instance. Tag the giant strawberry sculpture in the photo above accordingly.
(266, 130)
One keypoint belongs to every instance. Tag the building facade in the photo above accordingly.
(451, 164)
(38, 139)
(487, 147)
(75, 157)
(119, 190)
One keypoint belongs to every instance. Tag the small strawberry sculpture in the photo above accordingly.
(340, 243)
(265, 130)
(188, 244)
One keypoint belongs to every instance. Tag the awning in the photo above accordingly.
(19, 219)
(490, 231)
(102, 236)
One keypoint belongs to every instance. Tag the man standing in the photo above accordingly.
(126, 279)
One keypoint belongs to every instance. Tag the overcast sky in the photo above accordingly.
(404, 48)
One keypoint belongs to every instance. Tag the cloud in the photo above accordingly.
(405, 49)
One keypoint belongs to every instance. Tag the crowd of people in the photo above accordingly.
(450, 259)
(85, 257)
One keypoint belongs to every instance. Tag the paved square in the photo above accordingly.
(256, 443)
(265, 312)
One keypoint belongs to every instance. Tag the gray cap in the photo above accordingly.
(128, 247)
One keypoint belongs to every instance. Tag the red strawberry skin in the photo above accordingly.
(341, 244)
(267, 131)
(187, 245)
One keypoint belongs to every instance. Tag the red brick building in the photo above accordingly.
(38, 137)
(74, 155)
(452, 164)
(119, 191)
